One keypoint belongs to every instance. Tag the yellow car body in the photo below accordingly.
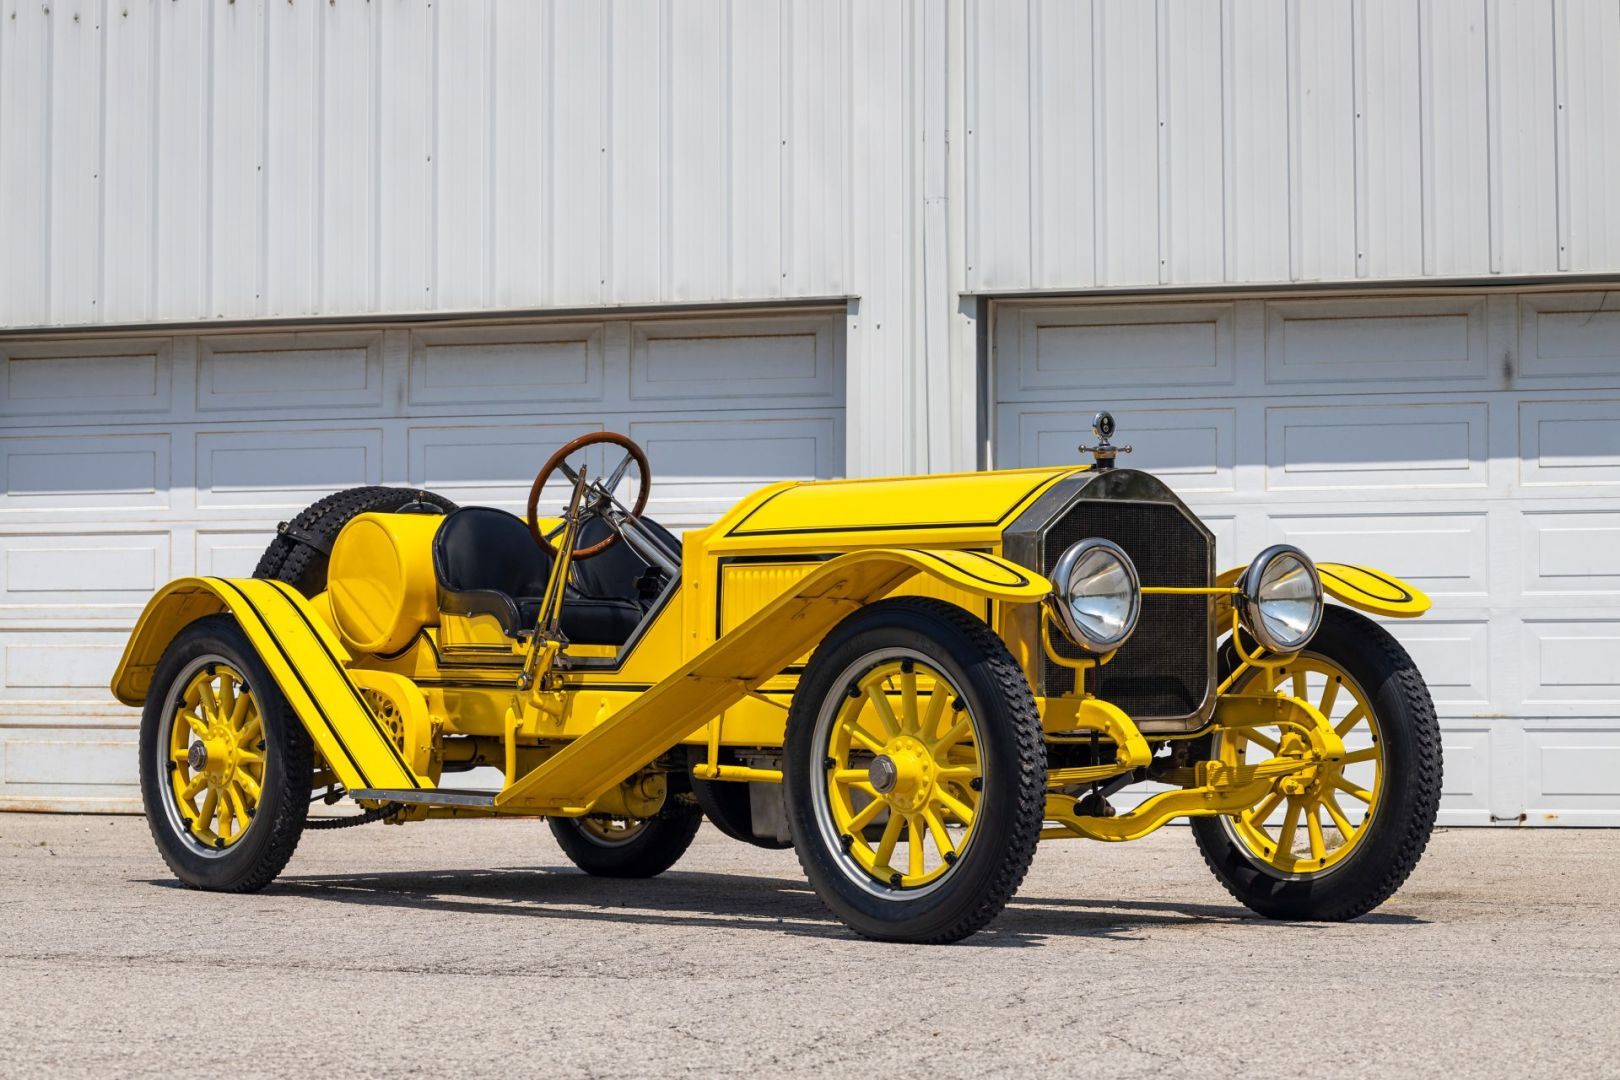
(397, 693)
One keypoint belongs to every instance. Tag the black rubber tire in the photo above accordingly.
(252, 862)
(655, 849)
(1012, 804)
(1408, 803)
(302, 565)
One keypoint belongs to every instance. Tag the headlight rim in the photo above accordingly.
(1058, 600)
(1248, 600)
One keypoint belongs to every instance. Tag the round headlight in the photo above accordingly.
(1098, 597)
(1280, 599)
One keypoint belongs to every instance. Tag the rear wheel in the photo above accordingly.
(301, 550)
(1349, 837)
(629, 847)
(225, 765)
(915, 772)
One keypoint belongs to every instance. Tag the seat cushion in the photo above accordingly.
(587, 620)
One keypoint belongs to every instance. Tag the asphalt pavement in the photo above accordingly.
(475, 949)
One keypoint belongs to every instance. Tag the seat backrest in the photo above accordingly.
(479, 548)
(615, 574)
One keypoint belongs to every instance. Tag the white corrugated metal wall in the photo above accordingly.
(1190, 142)
(187, 161)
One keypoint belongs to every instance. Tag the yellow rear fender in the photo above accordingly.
(1360, 587)
(303, 655)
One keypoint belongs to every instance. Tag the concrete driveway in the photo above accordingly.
(473, 948)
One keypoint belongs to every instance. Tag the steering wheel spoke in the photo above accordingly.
(600, 493)
(611, 484)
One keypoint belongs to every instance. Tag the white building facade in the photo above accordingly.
(1347, 272)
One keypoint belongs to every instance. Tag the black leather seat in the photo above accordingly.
(487, 563)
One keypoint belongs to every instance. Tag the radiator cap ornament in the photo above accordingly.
(1102, 426)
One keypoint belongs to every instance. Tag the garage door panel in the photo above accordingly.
(125, 462)
(230, 552)
(1572, 774)
(701, 467)
(302, 372)
(72, 574)
(698, 360)
(1194, 450)
(1466, 790)
(83, 770)
(1115, 346)
(1377, 446)
(76, 378)
(1568, 334)
(494, 465)
(1569, 443)
(1454, 656)
(85, 472)
(1573, 661)
(42, 662)
(1571, 553)
(1386, 341)
(284, 469)
(1445, 555)
(507, 368)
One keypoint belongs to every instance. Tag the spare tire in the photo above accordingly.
(303, 546)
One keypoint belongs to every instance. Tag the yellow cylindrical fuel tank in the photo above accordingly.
(381, 580)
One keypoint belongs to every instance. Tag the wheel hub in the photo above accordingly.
(908, 772)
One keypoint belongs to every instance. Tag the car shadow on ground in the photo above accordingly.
(731, 902)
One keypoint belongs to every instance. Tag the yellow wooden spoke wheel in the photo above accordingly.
(1333, 841)
(915, 771)
(225, 766)
(628, 847)
(903, 774)
(216, 746)
(1310, 823)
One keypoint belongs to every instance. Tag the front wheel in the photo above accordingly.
(1344, 843)
(915, 772)
(605, 846)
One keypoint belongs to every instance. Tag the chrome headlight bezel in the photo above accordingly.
(1062, 596)
(1251, 601)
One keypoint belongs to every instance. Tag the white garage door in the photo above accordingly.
(128, 462)
(1470, 443)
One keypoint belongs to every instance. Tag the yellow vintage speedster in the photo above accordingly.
(910, 681)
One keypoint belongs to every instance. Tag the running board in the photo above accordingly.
(427, 796)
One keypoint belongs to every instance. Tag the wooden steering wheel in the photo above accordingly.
(600, 491)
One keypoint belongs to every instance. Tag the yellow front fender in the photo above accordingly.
(1355, 586)
(303, 656)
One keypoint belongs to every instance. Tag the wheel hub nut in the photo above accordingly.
(197, 757)
(882, 774)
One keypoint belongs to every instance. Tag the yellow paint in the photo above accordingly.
(1372, 590)
(379, 677)
(382, 585)
(217, 797)
(1362, 587)
(727, 671)
(910, 716)
(949, 510)
(304, 657)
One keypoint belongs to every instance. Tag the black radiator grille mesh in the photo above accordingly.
(1163, 670)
